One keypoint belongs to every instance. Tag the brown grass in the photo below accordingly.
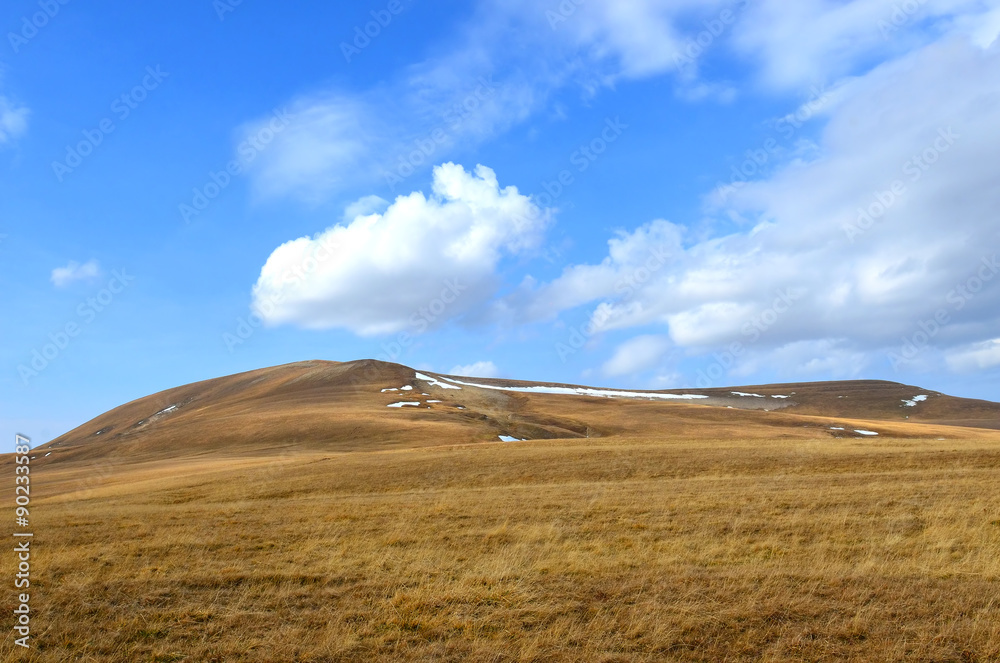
(649, 548)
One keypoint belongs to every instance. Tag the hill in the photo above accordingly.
(367, 405)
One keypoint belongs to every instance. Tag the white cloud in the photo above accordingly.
(365, 206)
(985, 29)
(634, 259)
(814, 42)
(642, 37)
(797, 286)
(480, 369)
(74, 271)
(829, 358)
(13, 120)
(637, 355)
(975, 357)
(324, 146)
(335, 141)
(419, 263)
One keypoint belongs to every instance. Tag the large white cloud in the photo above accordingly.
(422, 261)
(811, 279)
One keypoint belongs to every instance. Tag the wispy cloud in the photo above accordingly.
(13, 120)
(74, 271)
(479, 369)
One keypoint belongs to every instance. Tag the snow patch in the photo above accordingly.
(836, 428)
(508, 438)
(780, 396)
(433, 401)
(740, 393)
(916, 399)
(390, 389)
(580, 391)
(47, 455)
(402, 404)
(434, 382)
(866, 432)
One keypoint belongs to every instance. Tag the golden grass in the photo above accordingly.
(617, 549)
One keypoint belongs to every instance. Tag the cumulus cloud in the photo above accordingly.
(845, 253)
(479, 369)
(74, 271)
(422, 261)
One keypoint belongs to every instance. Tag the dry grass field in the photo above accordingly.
(705, 538)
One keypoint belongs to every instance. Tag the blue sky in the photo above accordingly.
(646, 194)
